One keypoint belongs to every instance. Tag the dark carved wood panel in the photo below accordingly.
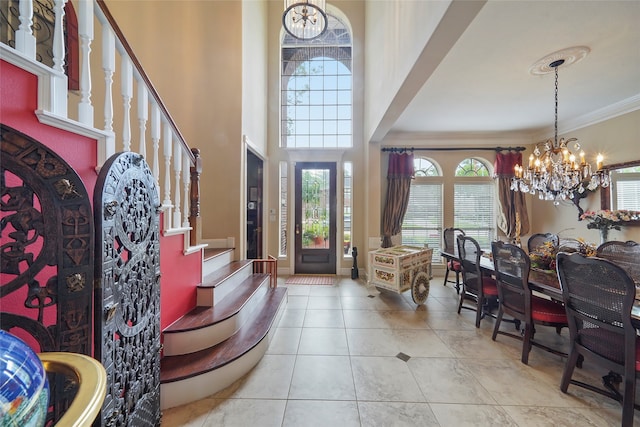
(128, 298)
(47, 259)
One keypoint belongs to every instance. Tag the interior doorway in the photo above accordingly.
(254, 206)
(315, 218)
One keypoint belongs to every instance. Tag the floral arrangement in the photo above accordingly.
(607, 220)
(544, 258)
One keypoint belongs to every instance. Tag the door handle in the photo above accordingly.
(297, 228)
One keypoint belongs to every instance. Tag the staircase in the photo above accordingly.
(225, 335)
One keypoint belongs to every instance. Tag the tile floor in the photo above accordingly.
(348, 355)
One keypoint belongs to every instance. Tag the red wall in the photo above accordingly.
(18, 102)
(180, 275)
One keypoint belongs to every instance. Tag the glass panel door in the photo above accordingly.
(315, 226)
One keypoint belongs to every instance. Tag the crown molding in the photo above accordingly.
(609, 112)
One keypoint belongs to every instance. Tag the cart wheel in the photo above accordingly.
(420, 288)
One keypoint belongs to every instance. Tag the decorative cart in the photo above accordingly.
(400, 268)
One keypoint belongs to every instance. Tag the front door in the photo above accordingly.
(315, 218)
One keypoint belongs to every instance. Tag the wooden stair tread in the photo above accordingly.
(201, 317)
(176, 368)
(214, 279)
(214, 252)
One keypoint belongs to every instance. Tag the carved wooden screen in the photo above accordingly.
(128, 301)
(47, 244)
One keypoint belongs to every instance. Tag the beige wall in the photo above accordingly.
(396, 33)
(200, 80)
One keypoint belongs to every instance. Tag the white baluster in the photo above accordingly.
(177, 171)
(108, 65)
(58, 36)
(127, 94)
(155, 139)
(167, 141)
(25, 40)
(186, 181)
(85, 32)
(143, 115)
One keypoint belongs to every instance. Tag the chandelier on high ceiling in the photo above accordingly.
(304, 19)
(554, 171)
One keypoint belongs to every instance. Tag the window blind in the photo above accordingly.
(423, 220)
(474, 211)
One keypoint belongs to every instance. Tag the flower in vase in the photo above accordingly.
(607, 220)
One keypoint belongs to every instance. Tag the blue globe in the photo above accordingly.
(24, 389)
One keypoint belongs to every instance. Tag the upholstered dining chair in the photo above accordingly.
(475, 285)
(450, 235)
(512, 264)
(598, 297)
(539, 239)
(625, 254)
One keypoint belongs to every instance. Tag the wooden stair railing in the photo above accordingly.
(268, 266)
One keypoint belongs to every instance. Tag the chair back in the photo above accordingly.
(623, 254)
(469, 255)
(450, 235)
(598, 297)
(511, 265)
(539, 239)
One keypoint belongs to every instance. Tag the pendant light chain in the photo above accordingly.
(555, 141)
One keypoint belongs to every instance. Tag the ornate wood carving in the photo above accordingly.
(128, 298)
(46, 253)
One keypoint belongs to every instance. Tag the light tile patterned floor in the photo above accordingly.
(339, 358)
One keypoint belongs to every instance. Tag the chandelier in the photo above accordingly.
(554, 172)
(304, 19)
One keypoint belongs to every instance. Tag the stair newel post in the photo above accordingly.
(127, 94)
(186, 175)
(194, 212)
(25, 40)
(155, 140)
(85, 33)
(143, 115)
(177, 172)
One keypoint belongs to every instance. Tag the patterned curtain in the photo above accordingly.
(510, 202)
(399, 184)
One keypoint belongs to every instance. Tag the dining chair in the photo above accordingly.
(539, 239)
(625, 254)
(511, 266)
(475, 285)
(598, 297)
(450, 235)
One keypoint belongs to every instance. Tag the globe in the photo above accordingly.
(24, 389)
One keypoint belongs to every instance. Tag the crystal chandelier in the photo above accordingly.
(304, 19)
(554, 171)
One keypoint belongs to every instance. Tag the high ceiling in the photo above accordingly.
(483, 85)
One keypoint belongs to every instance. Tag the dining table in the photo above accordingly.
(542, 281)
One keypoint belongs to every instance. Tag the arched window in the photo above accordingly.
(422, 222)
(472, 167)
(474, 201)
(316, 101)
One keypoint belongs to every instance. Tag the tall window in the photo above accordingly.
(316, 86)
(347, 206)
(422, 222)
(474, 201)
(284, 185)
